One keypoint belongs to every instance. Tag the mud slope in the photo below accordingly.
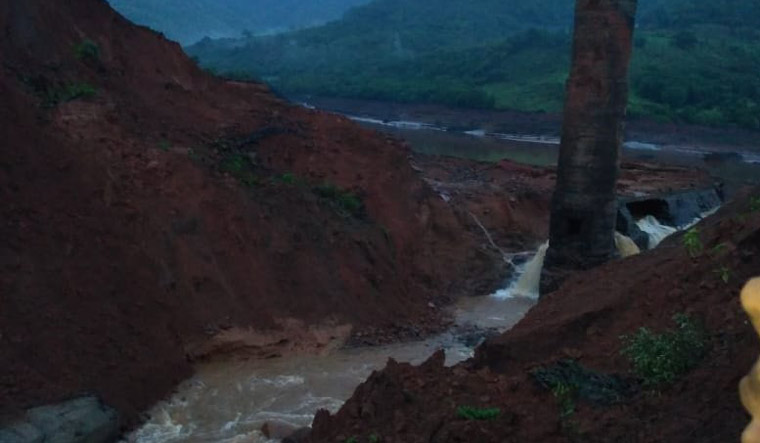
(148, 206)
(584, 321)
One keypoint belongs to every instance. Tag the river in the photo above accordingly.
(229, 401)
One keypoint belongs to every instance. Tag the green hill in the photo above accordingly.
(188, 21)
(694, 61)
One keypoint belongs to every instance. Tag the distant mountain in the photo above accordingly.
(188, 21)
(695, 61)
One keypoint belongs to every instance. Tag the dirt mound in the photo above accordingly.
(148, 206)
(583, 323)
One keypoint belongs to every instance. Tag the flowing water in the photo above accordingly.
(230, 401)
(656, 231)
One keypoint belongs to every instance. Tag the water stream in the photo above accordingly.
(230, 401)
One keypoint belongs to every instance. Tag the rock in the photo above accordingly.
(21, 433)
(627, 226)
(82, 420)
(301, 435)
(278, 429)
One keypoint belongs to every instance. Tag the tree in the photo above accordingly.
(584, 205)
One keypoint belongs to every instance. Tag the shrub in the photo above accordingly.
(470, 413)
(565, 395)
(692, 242)
(239, 166)
(87, 50)
(345, 202)
(659, 359)
(754, 204)
(51, 97)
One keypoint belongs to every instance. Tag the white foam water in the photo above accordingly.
(527, 284)
(656, 231)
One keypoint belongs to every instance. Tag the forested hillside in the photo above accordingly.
(694, 60)
(188, 21)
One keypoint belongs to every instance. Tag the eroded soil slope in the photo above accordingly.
(148, 206)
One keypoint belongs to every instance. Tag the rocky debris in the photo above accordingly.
(82, 420)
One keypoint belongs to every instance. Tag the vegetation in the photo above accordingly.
(239, 166)
(660, 359)
(87, 50)
(164, 145)
(345, 202)
(187, 21)
(693, 62)
(565, 395)
(470, 413)
(723, 273)
(754, 204)
(53, 96)
(692, 242)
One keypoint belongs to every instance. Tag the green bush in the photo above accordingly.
(87, 50)
(692, 242)
(345, 202)
(659, 359)
(54, 96)
(470, 413)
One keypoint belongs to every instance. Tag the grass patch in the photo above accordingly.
(87, 50)
(345, 202)
(660, 359)
(692, 242)
(54, 96)
(239, 166)
(470, 413)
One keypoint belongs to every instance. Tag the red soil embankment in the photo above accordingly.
(127, 242)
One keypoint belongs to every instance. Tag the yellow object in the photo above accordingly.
(749, 388)
(625, 246)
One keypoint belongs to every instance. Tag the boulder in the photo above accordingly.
(82, 420)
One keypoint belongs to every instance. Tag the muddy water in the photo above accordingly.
(230, 401)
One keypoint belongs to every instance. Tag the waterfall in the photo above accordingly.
(625, 246)
(529, 280)
(656, 231)
(530, 277)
